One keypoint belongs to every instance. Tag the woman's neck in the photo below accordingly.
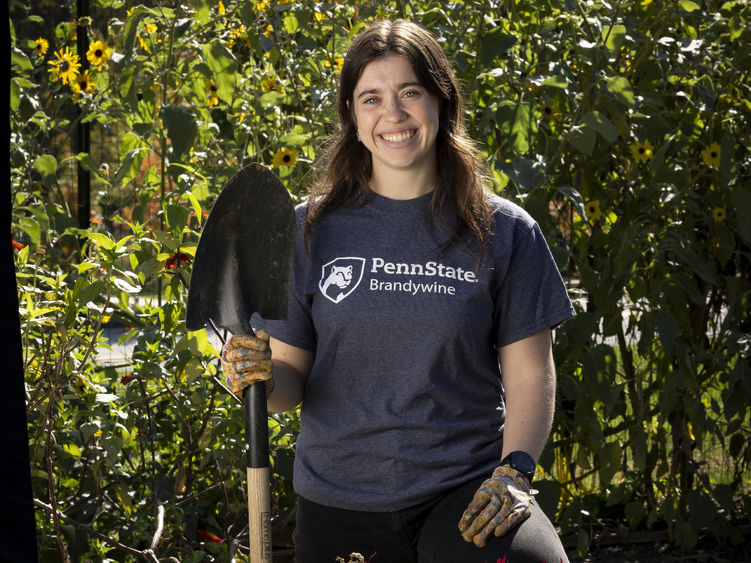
(402, 185)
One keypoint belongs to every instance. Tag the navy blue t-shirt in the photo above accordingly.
(404, 399)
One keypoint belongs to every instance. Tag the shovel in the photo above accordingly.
(242, 266)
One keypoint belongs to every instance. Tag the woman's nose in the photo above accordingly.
(394, 109)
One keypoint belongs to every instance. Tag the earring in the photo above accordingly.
(358, 135)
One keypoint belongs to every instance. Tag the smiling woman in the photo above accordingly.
(420, 350)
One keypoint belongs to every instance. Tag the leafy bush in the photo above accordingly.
(622, 127)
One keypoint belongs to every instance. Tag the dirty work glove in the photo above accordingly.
(246, 359)
(500, 504)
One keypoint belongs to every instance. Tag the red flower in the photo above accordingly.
(17, 246)
(127, 378)
(174, 260)
(208, 536)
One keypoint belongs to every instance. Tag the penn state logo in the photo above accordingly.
(340, 277)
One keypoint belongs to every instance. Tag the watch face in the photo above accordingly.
(523, 462)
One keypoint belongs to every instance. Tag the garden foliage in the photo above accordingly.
(622, 127)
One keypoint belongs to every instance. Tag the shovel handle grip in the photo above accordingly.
(256, 425)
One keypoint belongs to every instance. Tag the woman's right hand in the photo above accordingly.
(246, 359)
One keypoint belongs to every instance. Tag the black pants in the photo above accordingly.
(426, 533)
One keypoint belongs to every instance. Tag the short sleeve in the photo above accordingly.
(531, 295)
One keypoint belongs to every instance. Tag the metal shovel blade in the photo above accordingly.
(244, 256)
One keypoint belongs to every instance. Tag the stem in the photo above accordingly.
(88, 530)
(51, 485)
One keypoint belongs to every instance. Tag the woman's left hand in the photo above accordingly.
(500, 504)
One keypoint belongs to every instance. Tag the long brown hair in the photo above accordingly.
(461, 176)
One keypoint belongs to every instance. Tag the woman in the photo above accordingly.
(419, 302)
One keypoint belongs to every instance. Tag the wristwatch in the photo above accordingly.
(522, 462)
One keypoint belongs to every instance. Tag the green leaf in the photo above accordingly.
(270, 99)
(223, 65)
(688, 5)
(514, 119)
(290, 24)
(620, 88)
(131, 28)
(741, 199)
(600, 123)
(610, 461)
(124, 497)
(615, 35)
(574, 197)
(19, 60)
(494, 44)
(31, 228)
(125, 286)
(127, 86)
(46, 166)
(203, 11)
(555, 82)
(583, 138)
(658, 160)
(89, 292)
(667, 328)
(88, 429)
(295, 139)
(15, 94)
(181, 128)
(102, 240)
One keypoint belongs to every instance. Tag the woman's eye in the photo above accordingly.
(411, 94)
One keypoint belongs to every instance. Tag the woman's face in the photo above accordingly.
(396, 118)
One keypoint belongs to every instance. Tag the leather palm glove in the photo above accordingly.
(246, 359)
(500, 504)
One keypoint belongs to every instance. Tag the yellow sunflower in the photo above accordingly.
(65, 66)
(270, 83)
(83, 84)
(212, 89)
(260, 6)
(220, 8)
(98, 54)
(711, 155)
(641, 152)
(592, 208)
(550, 111)
(285, 157)
(719, 214)
(40, 46)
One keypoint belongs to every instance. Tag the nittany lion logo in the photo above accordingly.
(340, 277)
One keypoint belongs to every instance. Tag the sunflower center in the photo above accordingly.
(641, 150)
(713, 154)
(98, 53)
(64, 66)
(286, 158)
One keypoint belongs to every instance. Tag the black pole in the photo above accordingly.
(18, 540)
(83, 130)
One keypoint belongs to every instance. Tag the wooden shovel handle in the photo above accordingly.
(259, 492)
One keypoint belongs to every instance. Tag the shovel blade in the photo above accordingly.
(244, 256)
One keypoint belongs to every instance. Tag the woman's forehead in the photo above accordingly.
(390, 69)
